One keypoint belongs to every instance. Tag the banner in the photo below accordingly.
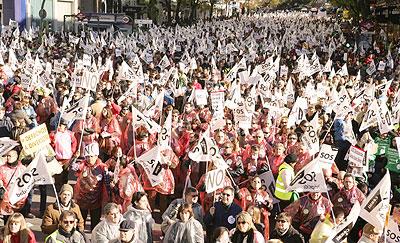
(344, 228)
(356, 157)
(78, 110)
(35, 139)
(7, 144)
(201, 96)
(217, 103)
(151, 161)
(309, 179)
(327, 156)
(89, 80)
(215, 180)
(35, 174)
(375, 207)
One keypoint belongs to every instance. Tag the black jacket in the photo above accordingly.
(291, 236)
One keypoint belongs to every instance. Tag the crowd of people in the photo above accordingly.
(201, 129)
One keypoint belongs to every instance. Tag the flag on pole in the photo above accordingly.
(152, 161)
(35, 174)
(309, 179)
(374, 208)
(344, 228)
(165, 136)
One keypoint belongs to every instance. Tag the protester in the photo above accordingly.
(307, 211)
(66, 231)
(140, 213)
(348, 195)
(128, 233)
(245, 230)
(289, 96)
(51, 216)
(370, 234)
(191, 198)
(223, 213)
(90, 188)
(284, 230)
(15, 230)
(107, 229)
(323, 230)
(220, 235)
(285, 176)
(186, 228)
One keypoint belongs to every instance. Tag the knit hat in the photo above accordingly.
(68, 188)
(290, 158)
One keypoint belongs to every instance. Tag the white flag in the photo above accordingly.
(297, 113)
(310, 137)
(164, 63)
(375, 207)
(370, 117)
(343, 71)
(204, 150)
(140, 119)
(344, 228)
(392, 231)
(385, 122)
(165, 136)
(371, 68)
(35, 174)
(309, 179)
(152, 161)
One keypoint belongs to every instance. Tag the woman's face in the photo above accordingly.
(242, 225)
(104, 112)
(185, 216)
(142, 203)
(224, 237)
(256, 183)
(15, 227)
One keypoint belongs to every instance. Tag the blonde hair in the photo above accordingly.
(23, 231)
(246, 217)
(256, 214)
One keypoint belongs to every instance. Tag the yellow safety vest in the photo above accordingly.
(53, 237)
(280, 190)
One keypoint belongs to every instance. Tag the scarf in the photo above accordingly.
(239, 237)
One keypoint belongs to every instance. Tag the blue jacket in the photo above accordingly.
(223, 216)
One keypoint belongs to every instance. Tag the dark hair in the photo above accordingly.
(217, 233)
(67, 213)
(186, 207)
(137, 196)
(190, 190)
(338, 210)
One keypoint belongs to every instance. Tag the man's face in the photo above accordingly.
(126, 236)
(315, 195)
(348, 183)
(65, 197)
(68, 223)
(113, 216)
(259, 136)
(227, 197)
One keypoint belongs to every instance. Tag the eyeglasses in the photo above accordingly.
(281, 221)
(226, 194)
(228, 147)
(293, 138)
(228, 123)
(68, 222)
(258, 136)
(241, 222)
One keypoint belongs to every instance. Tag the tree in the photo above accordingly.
(358, 8)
